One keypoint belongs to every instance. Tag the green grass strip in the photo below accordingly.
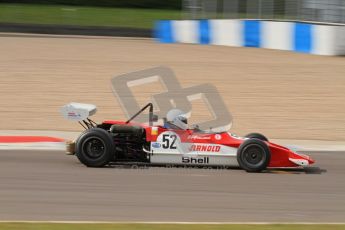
(83, 16)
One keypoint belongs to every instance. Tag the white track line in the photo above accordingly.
(34, 146)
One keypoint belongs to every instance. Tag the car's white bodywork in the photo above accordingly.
(191, 153)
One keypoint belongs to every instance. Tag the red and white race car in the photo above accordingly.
(170, 144)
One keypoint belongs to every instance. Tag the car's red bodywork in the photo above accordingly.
(280, 155)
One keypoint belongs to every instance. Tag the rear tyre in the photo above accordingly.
(253, 155)
(257, 136)
(95, 148)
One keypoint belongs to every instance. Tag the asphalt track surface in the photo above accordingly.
(41, 185)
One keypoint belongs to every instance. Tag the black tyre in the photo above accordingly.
(95, 148)
(257, 136)
(253, 155)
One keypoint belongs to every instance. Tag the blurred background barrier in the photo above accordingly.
(310, 38)
(331, 11)
(309, 26)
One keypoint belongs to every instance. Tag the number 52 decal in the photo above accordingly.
(169, 141)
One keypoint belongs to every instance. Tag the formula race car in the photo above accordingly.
(172, 143)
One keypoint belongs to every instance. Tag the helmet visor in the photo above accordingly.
(184, 120)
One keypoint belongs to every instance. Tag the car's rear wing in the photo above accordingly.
(79, 112)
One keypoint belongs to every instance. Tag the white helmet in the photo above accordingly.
(177, 118)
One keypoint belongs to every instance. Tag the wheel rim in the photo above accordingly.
(254, 155)
(94, 147)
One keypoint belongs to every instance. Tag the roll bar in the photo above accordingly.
(152, 117)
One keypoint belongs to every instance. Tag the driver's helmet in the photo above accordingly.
(177, 118)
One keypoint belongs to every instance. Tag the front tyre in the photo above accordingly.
(95, 148)
(257, 136)
(253, 155)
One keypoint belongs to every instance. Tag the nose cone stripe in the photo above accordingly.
(301, 162)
